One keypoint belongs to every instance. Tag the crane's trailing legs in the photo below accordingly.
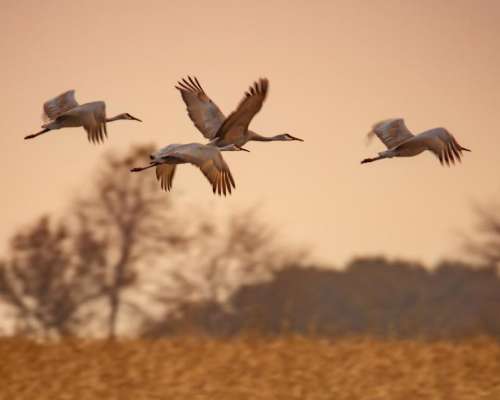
(367, 160)
(137, 169)
(37, 134)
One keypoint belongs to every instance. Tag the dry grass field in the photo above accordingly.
(250, 368)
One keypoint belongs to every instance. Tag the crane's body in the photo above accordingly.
(400, 142)
(64, 111)
(206, 157)
(214, 125)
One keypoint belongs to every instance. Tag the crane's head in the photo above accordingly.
(129, 117)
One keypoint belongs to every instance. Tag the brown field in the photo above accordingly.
(250, 368)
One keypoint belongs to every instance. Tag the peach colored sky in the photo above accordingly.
(335, 67)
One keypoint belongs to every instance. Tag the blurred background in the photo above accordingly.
(311, 243)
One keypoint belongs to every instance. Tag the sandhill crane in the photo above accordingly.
(207, 157)
(212, 123)
(64, 111)
(400, 142)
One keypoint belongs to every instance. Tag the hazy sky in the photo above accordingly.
(335, 67)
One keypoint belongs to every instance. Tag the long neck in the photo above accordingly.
(259, 138)
(115, 118)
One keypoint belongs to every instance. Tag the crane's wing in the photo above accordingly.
(165, 174)
(441, 143)
(59, 105)
(210, 162)
(392, 132)
(204, 113)
(219, 176)
(93, 116)
(236, 125)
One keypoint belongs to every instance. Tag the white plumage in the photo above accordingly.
(64, 111)
(206, 157)
(400, 142)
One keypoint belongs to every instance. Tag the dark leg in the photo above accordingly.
(367, 160)
(137, 169)
(37, 134)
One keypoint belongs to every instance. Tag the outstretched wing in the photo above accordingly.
(392, 132)
(204, 113)
(441, 143)
(210, 161)
(236, 125)
(219, 176)
(93, 116)
(165, 174)
(59, 105)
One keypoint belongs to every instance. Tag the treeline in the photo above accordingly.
(127, 258)
(371, 296)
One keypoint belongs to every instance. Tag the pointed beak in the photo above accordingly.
(296, 138)
(136, 119)
(242, 149)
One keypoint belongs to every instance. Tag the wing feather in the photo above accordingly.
(209, 160)
(59, 105)
(165, 175)
(204, 113)
(236, 124)
(93, 116)
(442, 143)
(391, 132)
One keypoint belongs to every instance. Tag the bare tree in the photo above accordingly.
(241, 249)
(49, 277)
(130, 220)
(485, 244)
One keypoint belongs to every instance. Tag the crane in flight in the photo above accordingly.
(214, 125)
(206, 157)
(400, 142)
(64, 111)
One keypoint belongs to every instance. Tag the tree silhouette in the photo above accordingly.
(55, 271)
(223, 255)
(485, 243)
(46, 282)
(130, 220)
(371, 296)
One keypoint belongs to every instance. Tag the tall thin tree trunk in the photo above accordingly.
(114, 305)
(115, 290)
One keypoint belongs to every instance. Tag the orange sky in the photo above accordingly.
(335, 67)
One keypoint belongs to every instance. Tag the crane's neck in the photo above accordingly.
(116, 118)
(259, 138)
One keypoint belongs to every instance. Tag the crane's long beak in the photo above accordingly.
(296, 138)
(242, 149)
(136, 119)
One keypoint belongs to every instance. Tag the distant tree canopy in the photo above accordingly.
(371, 296)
